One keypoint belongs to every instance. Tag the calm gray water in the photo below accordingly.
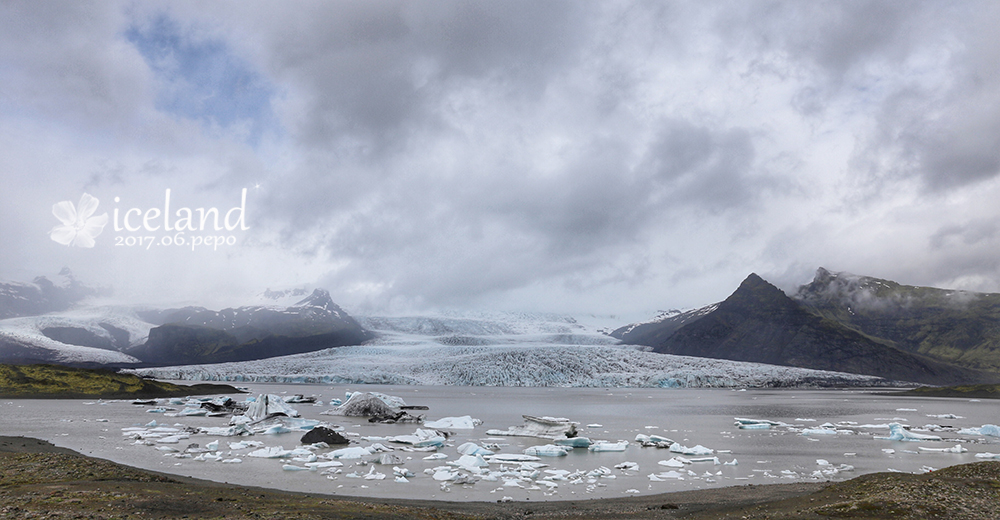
(688, 416)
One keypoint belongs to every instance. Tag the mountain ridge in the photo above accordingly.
(760, 323)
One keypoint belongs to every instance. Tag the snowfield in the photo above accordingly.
(504, 350)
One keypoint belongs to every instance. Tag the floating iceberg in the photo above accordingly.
(750, 424)
(445, 475)
(471, 462)
(227, 431)
(653, 441)
(391, 400)
(574, 442)
(955, 449)
(389, 459)
(542, 427)
(549, 450)
(818, 431)
(698, 450)
(898, 433)
(991, 430)
(273, 452)
(374, 475)
(465, 422)
(672, 463)
(420, 439)
(511, 457)
(368, 404)
(268, 404)
(353, 452)
(659, 477)
(471, 448)
(600, 446)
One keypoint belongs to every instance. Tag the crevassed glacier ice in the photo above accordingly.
(503, 349)
(521, 365)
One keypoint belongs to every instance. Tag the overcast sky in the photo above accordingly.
(605, 157)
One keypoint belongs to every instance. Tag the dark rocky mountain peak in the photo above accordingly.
(759, 322)
(756, 295)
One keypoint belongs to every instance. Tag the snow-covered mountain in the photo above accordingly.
(96, 335)
(123, 335)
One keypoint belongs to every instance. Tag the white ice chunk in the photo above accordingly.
(543, 427)
(471, 448)
(511, 457)
(696, 450)
(273, 452)
(954, 449)
(818, 431)
(548, 450)
(471, 462)
(464, 422)
(445, 475)
(353, 452)
(421, 438)
(672, 463)
(601, 446)
(666, 475)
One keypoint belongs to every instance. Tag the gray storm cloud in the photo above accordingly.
(614, 157)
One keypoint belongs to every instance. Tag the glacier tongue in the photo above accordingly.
(564, 366)
(504, 349)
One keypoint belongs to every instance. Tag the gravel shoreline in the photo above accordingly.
(40, 480)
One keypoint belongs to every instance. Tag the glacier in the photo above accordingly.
(504, 349)
(28, 331)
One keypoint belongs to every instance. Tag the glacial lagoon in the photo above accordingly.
(706, 417)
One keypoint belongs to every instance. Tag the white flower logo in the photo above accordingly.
(78, 227)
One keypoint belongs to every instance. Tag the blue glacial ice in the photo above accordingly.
(898, 433)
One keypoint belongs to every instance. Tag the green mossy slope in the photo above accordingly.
(54, 381)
